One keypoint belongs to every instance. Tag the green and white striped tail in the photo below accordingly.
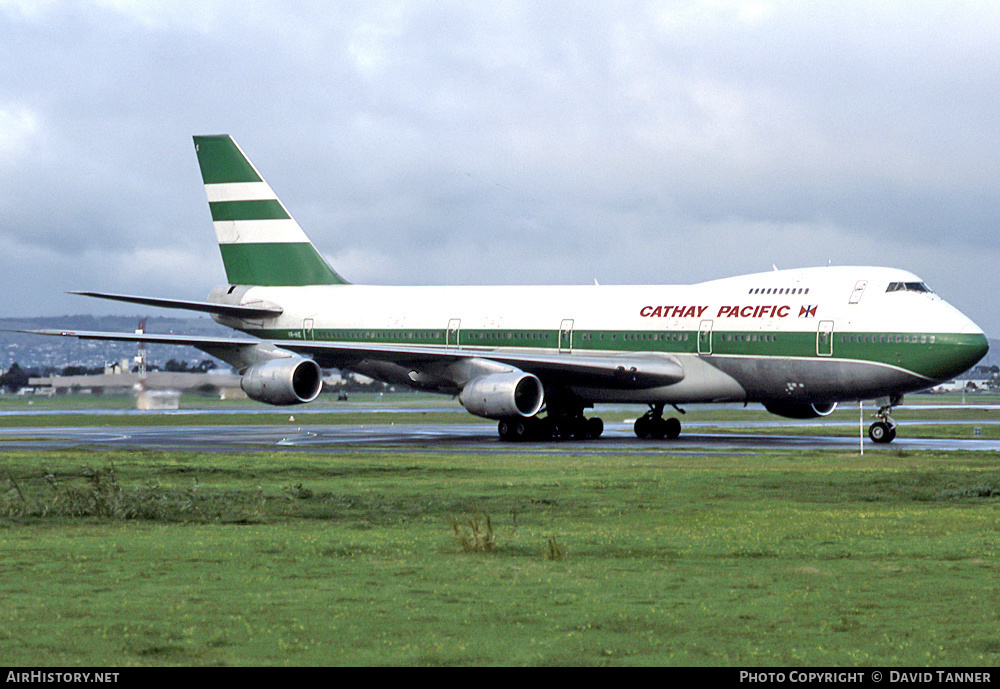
(261, 243)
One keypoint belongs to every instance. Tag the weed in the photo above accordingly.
(100, 493)
(556, 550)
(475, 534)
(987, 490)
(297, 492)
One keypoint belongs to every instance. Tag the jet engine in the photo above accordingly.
(292, 380)
(802, 411)
(503, 395)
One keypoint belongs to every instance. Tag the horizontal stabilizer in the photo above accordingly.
(232, 310)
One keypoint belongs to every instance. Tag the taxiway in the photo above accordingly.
(617, 438)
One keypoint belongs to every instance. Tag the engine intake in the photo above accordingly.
(503, 395)
(294, 380)
(802, 411)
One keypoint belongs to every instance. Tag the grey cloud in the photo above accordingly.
(508, 142)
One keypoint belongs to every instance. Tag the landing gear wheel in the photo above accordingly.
(884, 430)
(671, 428)
(652, 425)
(881, 432)
(595, 427)
(521, 429)
(558, 430)
(515, 430)
(563, 426)
(645, 428)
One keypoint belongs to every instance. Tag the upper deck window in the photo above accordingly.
(908, 287)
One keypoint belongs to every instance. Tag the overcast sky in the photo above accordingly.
(503, 142)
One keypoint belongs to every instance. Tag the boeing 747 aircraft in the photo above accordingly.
(535, 358)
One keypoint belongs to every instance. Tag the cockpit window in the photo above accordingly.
(908, 287)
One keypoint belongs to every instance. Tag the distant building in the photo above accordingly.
(123, 381)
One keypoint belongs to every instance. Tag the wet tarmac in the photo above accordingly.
(459, 437)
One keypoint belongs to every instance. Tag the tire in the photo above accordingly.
(658, 428)
(519, 429)
(672, 428)
(881, 432)
(643, 428)
(595, 427)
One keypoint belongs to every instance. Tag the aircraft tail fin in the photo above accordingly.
(261, 243)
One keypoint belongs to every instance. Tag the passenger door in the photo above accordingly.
(566, 336)
(824, 339)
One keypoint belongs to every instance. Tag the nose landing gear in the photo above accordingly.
(884, 430)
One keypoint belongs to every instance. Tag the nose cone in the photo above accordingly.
(970, 347)
(978, 346)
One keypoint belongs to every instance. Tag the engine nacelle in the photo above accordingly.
(503, 395)
(802, 411)
(293, 380)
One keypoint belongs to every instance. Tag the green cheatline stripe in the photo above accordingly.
(293, 264)
(269, 209)
(923, 358)
(222, 162)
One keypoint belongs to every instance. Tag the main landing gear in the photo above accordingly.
(652, 425)
(884, 430)
(563, 426)
(567, 424)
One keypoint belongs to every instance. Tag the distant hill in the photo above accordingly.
(40, 352)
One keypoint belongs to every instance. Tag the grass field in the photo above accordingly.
(659, 558)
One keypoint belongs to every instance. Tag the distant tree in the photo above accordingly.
(73, 371)
(15, 378)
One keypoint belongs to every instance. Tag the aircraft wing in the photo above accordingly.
(619, 371)
(232, 310)
(622, 371)
(186, 340)
(225, 348)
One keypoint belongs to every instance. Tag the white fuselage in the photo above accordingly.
(794, 335)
